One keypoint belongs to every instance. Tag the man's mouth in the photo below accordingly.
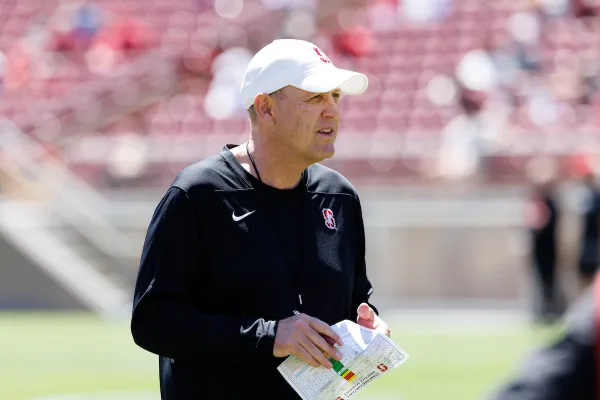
(326, 132)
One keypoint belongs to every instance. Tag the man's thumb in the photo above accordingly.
(365, 312)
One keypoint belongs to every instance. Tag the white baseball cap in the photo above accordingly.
(298, 63)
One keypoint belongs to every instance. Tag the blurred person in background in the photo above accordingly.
(567, 368)
(590, 233)
(542, 220)
(254, 252)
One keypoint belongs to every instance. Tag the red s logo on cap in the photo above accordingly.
(322, 56)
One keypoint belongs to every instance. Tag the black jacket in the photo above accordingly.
(565, 369)
(226, 257)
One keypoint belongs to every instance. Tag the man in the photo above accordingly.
(567, 369)
(589, 256)
(254, 252)
(542, 221)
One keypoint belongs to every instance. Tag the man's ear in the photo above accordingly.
(263, 105)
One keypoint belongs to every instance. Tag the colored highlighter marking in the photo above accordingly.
(341, 370)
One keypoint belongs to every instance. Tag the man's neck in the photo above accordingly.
(276, 168)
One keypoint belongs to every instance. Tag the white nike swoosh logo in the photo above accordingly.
(241, 217)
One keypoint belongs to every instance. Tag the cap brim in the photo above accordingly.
(331, 78)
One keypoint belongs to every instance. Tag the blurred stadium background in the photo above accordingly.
(470, 102)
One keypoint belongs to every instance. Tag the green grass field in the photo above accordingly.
(46, 356)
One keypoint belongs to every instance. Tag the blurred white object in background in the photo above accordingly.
(290, 4)
(128, 158)
(424, 10)
(229, 8)
(476, 71)
(524, 27)
(223, 99)
(555, 7)
(441, 91)
(300, 25)
(542, 109)
(460, 148)
(220, 101)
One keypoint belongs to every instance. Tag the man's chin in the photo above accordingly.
(325, 154)
(320, 152)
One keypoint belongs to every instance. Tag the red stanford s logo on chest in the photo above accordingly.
(329, 220)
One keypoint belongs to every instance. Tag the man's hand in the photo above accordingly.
(304, 337)
(368, 319)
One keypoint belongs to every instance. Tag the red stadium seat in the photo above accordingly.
(400, 63)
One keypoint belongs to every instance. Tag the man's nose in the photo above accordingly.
(332, 109)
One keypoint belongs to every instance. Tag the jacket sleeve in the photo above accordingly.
(166, 320)
(362, 286)
(565, 368)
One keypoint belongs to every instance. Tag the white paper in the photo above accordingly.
(366, 353)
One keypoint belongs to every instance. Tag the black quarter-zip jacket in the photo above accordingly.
(226, 257)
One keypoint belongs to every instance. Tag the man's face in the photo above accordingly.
(307, 123)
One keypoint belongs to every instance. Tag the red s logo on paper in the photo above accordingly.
(322, 56)
(382, 367)
(329, 220)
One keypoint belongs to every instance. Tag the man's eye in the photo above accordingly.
(316, 97)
